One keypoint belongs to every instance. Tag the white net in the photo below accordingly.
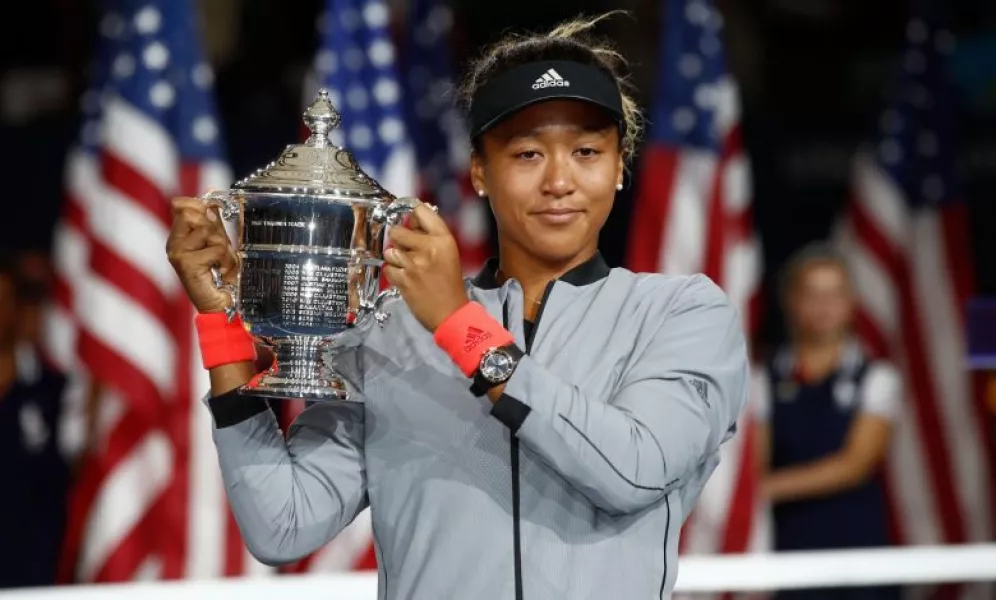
(956, 572)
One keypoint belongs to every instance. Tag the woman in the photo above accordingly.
(495, 463)
(827, 411)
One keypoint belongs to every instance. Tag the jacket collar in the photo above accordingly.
(590, 271)
(851, 360)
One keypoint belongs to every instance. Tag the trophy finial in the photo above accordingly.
(321, 118)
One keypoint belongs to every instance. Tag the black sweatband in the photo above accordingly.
(231, 408)
(534, 82)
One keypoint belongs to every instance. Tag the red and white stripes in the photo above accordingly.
(694, 215)
(912, 278)
(150, 504)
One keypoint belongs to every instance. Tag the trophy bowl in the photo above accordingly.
(310, 230)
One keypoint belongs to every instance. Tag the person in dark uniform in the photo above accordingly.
(33, 463)
(826, 412)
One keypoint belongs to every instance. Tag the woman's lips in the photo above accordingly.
(558, 216)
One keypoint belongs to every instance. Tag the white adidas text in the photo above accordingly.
(550, 79)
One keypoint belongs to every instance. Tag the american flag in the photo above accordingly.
(149, 503)
(439, 132)
(693, 214)
(405, 132)
(905, 235)
(357, 64)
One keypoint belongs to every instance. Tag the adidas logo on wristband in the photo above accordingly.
(474, 338)
(550, 79)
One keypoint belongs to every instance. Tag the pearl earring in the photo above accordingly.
(619, 186)
(480, 193)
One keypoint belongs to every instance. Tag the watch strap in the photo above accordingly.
(480, 385)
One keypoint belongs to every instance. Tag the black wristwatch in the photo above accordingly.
(495, 368)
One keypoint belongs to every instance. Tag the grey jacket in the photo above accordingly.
(574, 485)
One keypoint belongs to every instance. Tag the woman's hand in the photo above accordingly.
(424, 264)
(198, 241)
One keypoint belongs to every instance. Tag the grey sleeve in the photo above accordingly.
(290, 497)
(676, 405)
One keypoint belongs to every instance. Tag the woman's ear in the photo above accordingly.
(477, 173)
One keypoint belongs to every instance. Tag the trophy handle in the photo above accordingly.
(228, 207)
(392, 214)
(379, 314)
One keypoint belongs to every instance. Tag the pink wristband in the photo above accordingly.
(468, 333)
(221, 342)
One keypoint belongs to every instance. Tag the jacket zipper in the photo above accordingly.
(516, 539)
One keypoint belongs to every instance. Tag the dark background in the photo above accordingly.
(812, 73)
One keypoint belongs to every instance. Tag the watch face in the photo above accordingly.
(496, 366)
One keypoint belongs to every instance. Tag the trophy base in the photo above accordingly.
(277, 388)
(300, 372)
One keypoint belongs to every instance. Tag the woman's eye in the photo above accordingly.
(528, 154)
(587, 151)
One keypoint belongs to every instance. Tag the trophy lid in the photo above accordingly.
(316, 167)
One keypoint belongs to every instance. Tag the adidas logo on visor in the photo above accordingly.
(551, 79)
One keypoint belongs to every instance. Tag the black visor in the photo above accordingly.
(534, 82)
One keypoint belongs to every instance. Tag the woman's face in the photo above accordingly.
(550, 172)
(820, 302)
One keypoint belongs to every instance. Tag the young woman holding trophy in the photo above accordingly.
(539, 431)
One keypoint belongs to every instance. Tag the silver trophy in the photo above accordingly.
(310, 237)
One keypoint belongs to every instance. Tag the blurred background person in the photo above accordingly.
(33, 465)
(826, 412)
(78, 403)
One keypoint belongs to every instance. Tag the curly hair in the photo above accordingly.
(570, 40)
